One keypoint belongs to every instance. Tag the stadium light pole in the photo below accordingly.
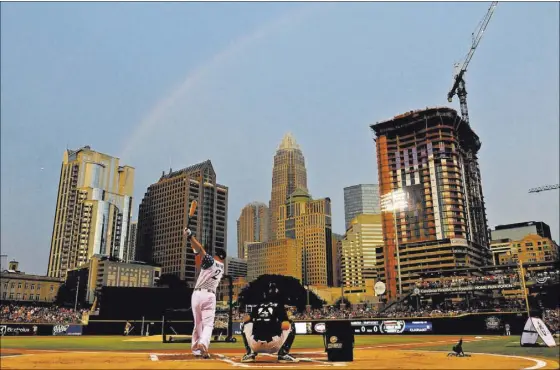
(393, 202)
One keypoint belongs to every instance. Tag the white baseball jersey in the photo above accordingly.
(211, 274)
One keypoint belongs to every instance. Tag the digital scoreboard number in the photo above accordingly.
(391, 327)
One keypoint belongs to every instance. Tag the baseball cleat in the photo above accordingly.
(251, 357)
(286, 358)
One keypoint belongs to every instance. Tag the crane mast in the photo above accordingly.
(459, 87)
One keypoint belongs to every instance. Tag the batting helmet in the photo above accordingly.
(221, 253)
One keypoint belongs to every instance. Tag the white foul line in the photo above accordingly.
(538, 363)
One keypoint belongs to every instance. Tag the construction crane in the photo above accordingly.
(460, 68)
(544, 188)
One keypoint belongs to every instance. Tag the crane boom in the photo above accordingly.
(544, 188)
(459, 82)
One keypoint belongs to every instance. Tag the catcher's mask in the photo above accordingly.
(271, 293)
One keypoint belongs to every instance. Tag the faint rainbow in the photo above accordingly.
(157, 113)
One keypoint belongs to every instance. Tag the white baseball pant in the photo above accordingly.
(203, 305)
(258, 346)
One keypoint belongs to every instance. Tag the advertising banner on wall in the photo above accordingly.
(469, 288)
(67, 330)
(15, 329)
(236, 328)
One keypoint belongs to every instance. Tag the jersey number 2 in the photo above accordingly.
(216, 273)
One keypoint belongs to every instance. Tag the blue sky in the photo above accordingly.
(162, 84)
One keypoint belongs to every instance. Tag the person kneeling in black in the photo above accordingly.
(269, 329)
(458, 348)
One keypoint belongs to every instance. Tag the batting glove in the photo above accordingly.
(188, 233)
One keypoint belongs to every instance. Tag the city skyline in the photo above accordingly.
(100, 86)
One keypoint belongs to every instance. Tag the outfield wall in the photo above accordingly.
(16, 329)
(489, 323)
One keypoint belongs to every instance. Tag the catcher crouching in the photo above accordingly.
(268, 329)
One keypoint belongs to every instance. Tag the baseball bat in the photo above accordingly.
(192, 210)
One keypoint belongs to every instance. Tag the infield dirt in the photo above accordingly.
(364, 358)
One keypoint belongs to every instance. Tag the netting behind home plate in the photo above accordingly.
(178, 324)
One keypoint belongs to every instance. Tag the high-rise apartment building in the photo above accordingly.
(252, 226)
(519, 230)
(278, 257)
(93, 209)
(309, 222)
(359, 249)
(236, 267)
(163, 216)
(430, 156)
(131, 248)
(362, 199)
(288, 174)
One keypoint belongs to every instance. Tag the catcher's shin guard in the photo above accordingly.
(243, 335)
(289, 341)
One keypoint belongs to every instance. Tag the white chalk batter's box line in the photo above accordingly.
(223, 358)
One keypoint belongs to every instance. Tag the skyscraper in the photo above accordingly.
(288, 174)
(359, 248)
(309, 222)
(361, 199)
(278, 257)
(93, 210)
(431, 194)
(163, 216)
(131, 248)
(252, 226)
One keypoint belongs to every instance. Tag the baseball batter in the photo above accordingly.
(203, 301)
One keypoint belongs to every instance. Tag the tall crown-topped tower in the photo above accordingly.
(288, 174)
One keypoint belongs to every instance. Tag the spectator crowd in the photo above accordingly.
(445, 309)
(36, 314)
(552, 319)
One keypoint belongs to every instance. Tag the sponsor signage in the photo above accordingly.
(236, 328)
(391, 327)
(320, 327)
(334, 343)
(12, 329)
(469, 288)
(493, 323)
(67, 330)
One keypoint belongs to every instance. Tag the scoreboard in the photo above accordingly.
(361, 327)
(390, 326)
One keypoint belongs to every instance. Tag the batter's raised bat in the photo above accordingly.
(192, 210)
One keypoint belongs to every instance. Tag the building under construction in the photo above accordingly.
(430, 157)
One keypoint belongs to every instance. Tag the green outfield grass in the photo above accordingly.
(502, 345)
